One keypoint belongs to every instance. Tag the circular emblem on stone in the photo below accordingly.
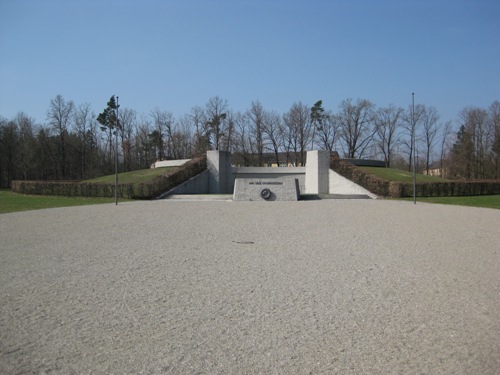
(265, 193)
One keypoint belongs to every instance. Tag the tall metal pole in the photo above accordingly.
(116, 152)
(413, 147)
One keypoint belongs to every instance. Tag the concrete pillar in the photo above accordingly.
(219, 168)
(317, 176)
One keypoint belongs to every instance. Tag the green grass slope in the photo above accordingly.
(13, 202)
(399, 175)
(133, 177)
(485, 201)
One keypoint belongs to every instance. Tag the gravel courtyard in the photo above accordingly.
(314, 287)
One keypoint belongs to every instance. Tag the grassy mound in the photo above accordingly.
(398, 175)
(133, 177)
(484, 201)
(13, 202)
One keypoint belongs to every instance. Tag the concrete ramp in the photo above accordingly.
(200, 197)
(341, 186)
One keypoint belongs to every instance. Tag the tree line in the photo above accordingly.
(74, 143)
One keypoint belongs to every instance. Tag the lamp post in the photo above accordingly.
(116, 152)
(413, 147)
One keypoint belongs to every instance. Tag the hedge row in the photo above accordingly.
(71, 189)
(161, 184)
(396, 189)
(446, 188)
(147, 190)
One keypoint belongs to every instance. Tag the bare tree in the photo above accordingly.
(161, 136)
(145, 153)
(126, 131)
(59, 117)
(244, 142)
(182, 140)
(429, 131)
(356, 126)
(475, 121)
(256, 115)
(9, 142)
(290, 144)
(495, 135)
(411, 124)
(201, 141)
(445, 134)
(83, 117)
(299, 130)
(463, 154)
(227, 136)
(216, 113)
(47, 154)
(387, 123)
(273, 132)
(25, 156)
(6, 136)
(325, 126)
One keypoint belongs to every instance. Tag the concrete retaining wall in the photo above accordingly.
(169, 163)
(315, 178)
(340, 185)
(220, 180)
(195, 185)
(317, 167)
(269, 172)
(266, 189)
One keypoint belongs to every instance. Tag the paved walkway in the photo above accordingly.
(313, 287)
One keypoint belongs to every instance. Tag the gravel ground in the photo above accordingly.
(317, 287)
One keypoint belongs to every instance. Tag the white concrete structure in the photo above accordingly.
(340, 185)
(317, 167)
(266, 189)
(315, 178)
(169, 163)
(219, 172)
(271, 172)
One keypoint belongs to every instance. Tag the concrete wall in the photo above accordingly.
(266, 189)
(169, 163)
(220, 179)
(195, 185)
(315, 178)
(317, 166)
(342, 186)
(271, 172)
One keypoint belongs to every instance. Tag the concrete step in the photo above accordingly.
(229, 197)
(315, 197)
(200, 197)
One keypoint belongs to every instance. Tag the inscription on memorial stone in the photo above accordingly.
(266, 189)
(266, 183)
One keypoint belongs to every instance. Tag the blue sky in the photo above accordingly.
(177, 54)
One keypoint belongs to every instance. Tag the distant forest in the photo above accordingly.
(76, 143)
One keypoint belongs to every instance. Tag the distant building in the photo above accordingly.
(436, 170)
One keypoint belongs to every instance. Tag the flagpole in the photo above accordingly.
(116, 153)
(413, 147)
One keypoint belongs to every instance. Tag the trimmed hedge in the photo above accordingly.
(161, 184)
(71, 189)
(447, 189)
(146, 190)
(396, 189)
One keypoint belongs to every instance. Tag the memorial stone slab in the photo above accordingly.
(266, 189)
